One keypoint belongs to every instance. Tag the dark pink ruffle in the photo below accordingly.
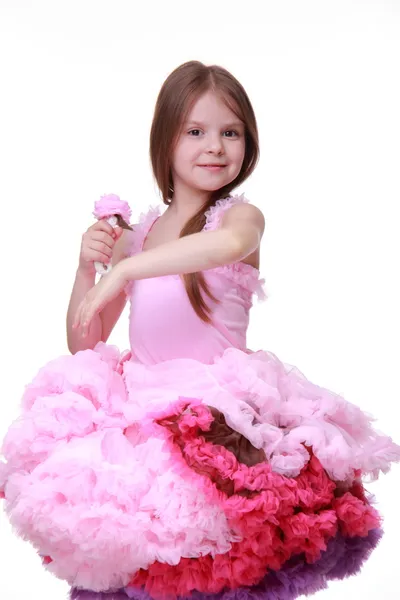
(276, 517)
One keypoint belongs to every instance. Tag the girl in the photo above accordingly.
(190, 466)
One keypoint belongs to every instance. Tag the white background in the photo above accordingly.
(79, 80)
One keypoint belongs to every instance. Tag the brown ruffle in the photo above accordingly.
(220, 434)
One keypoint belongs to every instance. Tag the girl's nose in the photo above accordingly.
(215, 144)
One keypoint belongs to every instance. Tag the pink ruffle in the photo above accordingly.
(214, 213)
(240, 273)
(142, 228)
(273, 405)
(245, 276)
(99, 506)
(110, 204)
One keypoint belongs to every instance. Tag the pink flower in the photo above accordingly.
(110, 204)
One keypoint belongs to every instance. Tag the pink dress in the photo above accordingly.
(191, 466)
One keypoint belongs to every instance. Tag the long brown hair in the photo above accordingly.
(182, 88)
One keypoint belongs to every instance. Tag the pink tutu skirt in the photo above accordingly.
(184, 479)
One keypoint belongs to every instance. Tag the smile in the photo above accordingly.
(213, 167)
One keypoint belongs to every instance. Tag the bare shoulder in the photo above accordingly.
(249, 220)
(244, 214)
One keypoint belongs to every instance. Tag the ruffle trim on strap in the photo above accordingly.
(142, 228)
(214, 213)
(240, 273)
(246, 276)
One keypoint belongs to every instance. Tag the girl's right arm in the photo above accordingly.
(99, 243)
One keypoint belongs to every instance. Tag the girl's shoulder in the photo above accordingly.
(215, 213)
(237, 207)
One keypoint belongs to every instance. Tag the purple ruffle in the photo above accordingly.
(87, 595)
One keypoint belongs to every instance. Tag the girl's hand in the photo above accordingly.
(108, 288)
(97, 245)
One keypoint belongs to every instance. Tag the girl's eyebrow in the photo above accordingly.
(198, 123)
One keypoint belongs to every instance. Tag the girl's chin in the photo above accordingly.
(211, 186)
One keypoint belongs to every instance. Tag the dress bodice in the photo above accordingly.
(162, 322)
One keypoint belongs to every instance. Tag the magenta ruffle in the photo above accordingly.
(277, 518)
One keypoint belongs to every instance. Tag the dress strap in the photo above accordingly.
(214, 213)
(142, 228)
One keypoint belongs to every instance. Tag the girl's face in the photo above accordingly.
(210, 149)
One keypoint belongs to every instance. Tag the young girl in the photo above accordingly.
(190, 466)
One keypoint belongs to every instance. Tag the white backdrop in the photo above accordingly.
(79, 80)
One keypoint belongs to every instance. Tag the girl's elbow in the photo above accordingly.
(245, 243)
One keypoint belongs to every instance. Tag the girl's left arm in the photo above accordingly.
(239, 234)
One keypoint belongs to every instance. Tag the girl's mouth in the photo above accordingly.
(213, 167)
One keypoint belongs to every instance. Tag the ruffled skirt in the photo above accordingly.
(185, 479)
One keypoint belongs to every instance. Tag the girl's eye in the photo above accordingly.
(230, 132)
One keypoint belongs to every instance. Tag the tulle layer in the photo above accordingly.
(273, 405)
(108, 475)
(102, 509)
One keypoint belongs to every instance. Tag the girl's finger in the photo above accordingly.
(77, 318)
(87, 316)
(97, 257)
(86, 324)
(103, 225)
(118, 231)
(100, 247)
(101, 236)
(83, 326)
(93, 256)
(75, 321)
(79, 314)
